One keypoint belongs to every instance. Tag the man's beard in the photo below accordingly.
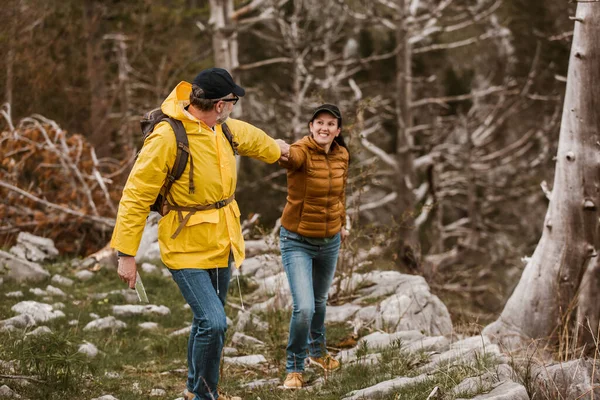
(222, 117)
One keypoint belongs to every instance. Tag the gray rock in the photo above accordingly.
(40, 312)
(435, 343)
(149, 268)
(379, 340)
(569, 380)
(246, 319)
(148, 249)
(341, 313)
(62, 281)
(84, 275)
(129, 310)
(105, 323)
(230, 351)
(243, 339)
(473, 385)
(88, 349)
(38, 292)
(181, 332)
(41, 330)
(246, 360)
(20, 270)
(18, 322)
(54, 291)
(14, 295)
(261, 383)
(506, 391)
(94, 316)
(149, 326)
(158, 393)
(464, 351)
(255, 247)
(8, 393)
(261, 266)
(34, 248)
(106, 397)
(383, 388)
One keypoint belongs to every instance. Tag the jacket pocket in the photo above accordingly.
(201, 231)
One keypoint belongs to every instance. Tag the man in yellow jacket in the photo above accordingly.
(200, 237)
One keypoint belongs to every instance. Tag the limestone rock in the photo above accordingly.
(105, 323)
(40, 312)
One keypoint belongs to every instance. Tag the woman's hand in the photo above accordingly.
(344, 234)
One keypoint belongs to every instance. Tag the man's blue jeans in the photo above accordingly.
(205, 290)
(309, 264)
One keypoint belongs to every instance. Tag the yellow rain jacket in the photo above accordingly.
(208, 237)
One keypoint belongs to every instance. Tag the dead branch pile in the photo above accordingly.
(53, 185)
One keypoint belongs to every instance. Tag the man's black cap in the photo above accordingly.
(331, 109)
(217, 83)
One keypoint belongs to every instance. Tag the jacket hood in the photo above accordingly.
(175, 103)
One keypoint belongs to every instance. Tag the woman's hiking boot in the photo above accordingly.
(328, 363)
(293, 380)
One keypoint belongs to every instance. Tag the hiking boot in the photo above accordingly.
(293, 380)
(328, 363)
(187, 395)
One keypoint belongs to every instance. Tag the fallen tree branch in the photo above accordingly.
(107, 222)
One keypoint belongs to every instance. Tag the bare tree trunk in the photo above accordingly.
(543, 302)
(225, 44)
(10, 58)
(408, 249)
(95, 77)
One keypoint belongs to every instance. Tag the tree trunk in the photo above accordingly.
(95, 77)
(407, 247)
(10, 58)
(543, 302)
(225, 44)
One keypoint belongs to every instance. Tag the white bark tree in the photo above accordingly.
(565, 261)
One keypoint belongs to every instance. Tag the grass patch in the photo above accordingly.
(131, 362)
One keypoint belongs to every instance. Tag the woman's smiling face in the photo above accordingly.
(324, 128)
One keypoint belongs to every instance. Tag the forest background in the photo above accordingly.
(451, 109)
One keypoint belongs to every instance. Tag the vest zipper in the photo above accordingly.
(328, 196)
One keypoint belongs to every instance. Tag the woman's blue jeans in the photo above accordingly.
(205, 290)
(309, 264)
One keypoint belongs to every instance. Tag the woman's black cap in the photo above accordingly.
(331, 109)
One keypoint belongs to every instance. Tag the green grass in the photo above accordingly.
(133, 361)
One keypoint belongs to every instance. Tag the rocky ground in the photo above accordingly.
(70, 330)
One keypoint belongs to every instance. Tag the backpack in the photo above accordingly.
(148, 123)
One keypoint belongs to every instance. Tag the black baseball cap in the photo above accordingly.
(217, 83)
(331, 109)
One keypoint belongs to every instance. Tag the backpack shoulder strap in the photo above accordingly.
(229, 136)
(183, 149)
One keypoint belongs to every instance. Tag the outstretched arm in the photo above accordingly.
(254, 142)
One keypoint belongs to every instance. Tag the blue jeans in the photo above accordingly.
(309, 264)
(205, 290)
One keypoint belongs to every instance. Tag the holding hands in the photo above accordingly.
(285, 150)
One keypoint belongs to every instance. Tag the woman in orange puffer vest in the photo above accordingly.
(313, 227)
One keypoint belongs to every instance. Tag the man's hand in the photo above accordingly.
(127, 270)
(285, 149)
